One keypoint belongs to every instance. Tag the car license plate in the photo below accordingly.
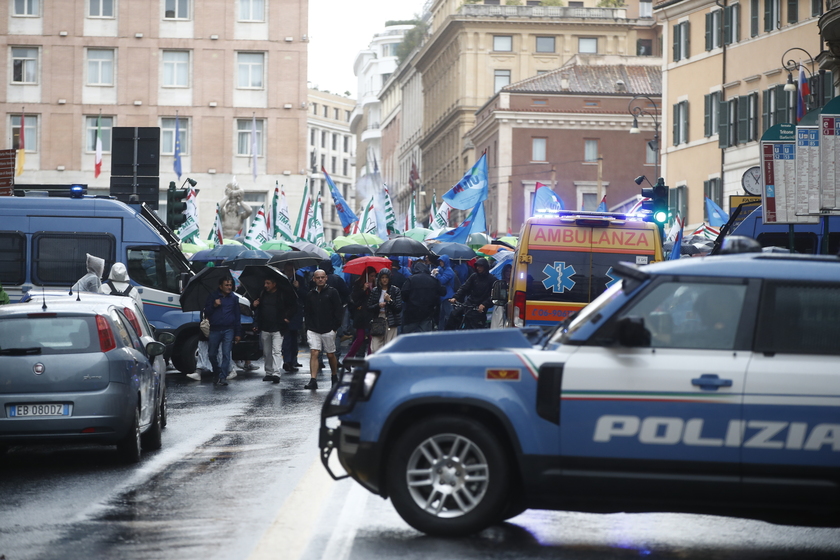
(18, 410)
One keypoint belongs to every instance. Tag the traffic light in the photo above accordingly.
(660, 202)
(175, 206)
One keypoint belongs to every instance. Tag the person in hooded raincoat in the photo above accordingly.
(446, 275)
(385, 301)
(92, 281)
(475, 292)
(118, 284)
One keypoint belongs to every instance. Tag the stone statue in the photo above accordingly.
(233, 211)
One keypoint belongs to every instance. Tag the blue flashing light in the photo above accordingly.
(77, 191)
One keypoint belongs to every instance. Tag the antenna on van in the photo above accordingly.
(44, 296)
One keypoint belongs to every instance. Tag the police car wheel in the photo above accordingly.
(448, 476)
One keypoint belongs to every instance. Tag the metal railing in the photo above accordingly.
(479, 10)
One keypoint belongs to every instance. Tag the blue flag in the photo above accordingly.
(344, 212)
(675, 252)
(546, 200)
(471, 189)
(475, 223)
(177, 164)
(603, 206)
(717, 217)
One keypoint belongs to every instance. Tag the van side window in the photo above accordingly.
(153, 268)
(799, 318)
(12, 258)
(697, 315)
(803, 242)
(59, 257)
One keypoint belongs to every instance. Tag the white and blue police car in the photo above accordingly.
(704, 385)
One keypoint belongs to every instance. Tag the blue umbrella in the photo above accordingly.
(245, 258)
(219, 253)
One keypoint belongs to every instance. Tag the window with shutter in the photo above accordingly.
(723, 127)
(754, 11)
(766, 109)
(793, 11)
(743, 120)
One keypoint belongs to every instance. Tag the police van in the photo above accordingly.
(706, 385)
(565, 260)
(43, 242)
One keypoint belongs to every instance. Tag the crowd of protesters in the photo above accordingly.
(327, 307)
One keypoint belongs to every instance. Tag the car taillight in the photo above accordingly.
(132, 318)
(519, 309)
(107, 342)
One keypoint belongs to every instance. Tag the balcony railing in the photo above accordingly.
(559, 12)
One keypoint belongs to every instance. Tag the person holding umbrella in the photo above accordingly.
(385, 305)
(290, 341)
(274, 311)
(222, 311)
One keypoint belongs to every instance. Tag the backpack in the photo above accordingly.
(116, 292)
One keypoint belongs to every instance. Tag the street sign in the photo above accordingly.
(778, 171)
(736, 200)
(7, 172)
(806, 196)
(830, 155)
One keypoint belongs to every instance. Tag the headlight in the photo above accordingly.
(351, 388)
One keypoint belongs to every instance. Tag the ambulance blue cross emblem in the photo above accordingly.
(558, 277)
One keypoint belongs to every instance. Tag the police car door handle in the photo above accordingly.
(711, 382)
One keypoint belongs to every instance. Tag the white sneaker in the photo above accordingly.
(195, 375)
(232, 374)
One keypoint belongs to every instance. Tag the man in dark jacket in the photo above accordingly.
(273, 314)
(335, 281)
(222, 310)
(322, 312)
(397, 277)
(421, 295)
(476, 292)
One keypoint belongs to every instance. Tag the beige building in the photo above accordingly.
(569, 129)
(331, 147)
(723, 86)
(474, 50)
(217, 65)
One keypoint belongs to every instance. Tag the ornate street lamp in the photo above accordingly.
(639, 111)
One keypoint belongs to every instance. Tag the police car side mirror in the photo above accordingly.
(632, 332)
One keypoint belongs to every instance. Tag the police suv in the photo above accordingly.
(704, 385)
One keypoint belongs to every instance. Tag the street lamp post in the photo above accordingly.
(791, 65)
(639, 111)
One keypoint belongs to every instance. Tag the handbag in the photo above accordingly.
(378, 326)
(204, 325)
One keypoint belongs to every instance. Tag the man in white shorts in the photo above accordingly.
(322, 313)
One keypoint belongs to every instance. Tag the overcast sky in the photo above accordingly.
(339, 29)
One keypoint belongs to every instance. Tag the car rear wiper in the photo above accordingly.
(20, 351)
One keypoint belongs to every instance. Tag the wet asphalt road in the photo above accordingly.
(239, 477)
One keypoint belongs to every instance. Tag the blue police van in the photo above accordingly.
(43, 242)
(704, 385)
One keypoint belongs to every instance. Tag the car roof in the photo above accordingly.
(53, 305)
(93, 298)
(771, 266)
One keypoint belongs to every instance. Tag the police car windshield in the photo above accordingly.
(589, 313)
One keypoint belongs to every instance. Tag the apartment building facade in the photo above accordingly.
(220, 67)
(331, 147)
(569, 129)
(476, 49)
(723, 86)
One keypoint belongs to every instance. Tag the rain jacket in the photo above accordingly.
(446, 276)
(392, 308)
(118, 284)
(478, 287)
(335, 280)
(4, 297)
(323, 311)
(91, 282)
(421, 295)
(227, 315)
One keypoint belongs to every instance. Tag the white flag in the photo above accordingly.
(189, 231)
(441, 220)
(315, 225)
(281, 222)
(216, 233)
(368, 221)
(258, 232)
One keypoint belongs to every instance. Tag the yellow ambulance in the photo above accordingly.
(565, 260)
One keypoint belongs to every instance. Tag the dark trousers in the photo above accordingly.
(290, 348)
(426, 325)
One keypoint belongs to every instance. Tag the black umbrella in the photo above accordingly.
(300, 258)
(245, 258)
(455, 251)
(355, 249)
(254, 276)
(200, 286)
(402, 246)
